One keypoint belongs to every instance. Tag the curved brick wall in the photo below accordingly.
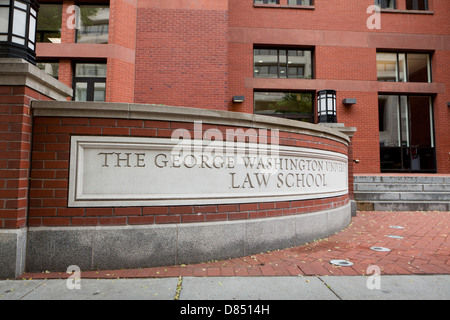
(50, 171)
(143, 236)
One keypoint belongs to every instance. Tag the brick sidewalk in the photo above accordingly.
(424, 249)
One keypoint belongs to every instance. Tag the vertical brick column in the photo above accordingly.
(15, 147)
(67, 34)
(401, 4)
(20, 84)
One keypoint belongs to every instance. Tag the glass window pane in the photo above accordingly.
(404, 121)
(389, 121)
(4, 19)
(299, 64)
(49, 23)
(387, 67)
(81, 91)
(99, 91)
(421, 122)
(266, 63)
(51, 68)
(95, 70)
(402, 67)
(385, 4)
(391, 158)
(283, 103)
(266, 1)
(416, 4)
(282, 63)
(19, 22)
(418, 67)
(300, 2)
(94, 24)
(422, 5)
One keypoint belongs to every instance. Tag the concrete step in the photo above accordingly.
(402, 193)
(406, 196)
(402, 206)
(428, 179)
(405, 187)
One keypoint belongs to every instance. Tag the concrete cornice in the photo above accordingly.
(180, 114)
(18, 72)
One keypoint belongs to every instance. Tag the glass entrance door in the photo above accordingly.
(406, 134)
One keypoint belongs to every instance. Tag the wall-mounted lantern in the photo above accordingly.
(18, 29)
(326, 106)
(238, 99)
(349, 102)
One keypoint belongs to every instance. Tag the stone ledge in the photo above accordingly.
(104, 248)
(12, 252)
(18, 72)
(180, 114)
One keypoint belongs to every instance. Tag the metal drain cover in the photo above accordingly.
(396, 237)
(382, 249)
(396, 227)
(342, 263)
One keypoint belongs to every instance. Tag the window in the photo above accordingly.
(94, 25)
(300, 2)
(49, 23)
(282, 63)
(292, 105)
(89, 83)
(266, 1)
(51, 68)
(417, 4)
(403, 67)
(386, 4)
(406, 133)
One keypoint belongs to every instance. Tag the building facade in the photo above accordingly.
(389, 66)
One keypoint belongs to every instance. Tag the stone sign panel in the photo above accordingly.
(123, 171)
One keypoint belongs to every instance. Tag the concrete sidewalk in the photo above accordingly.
(417, 266)
(391, 287)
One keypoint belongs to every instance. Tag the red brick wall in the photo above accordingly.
(121, 68)
(442, 111)
(50, 171)
(344, 60)
(15, 147)
(181, 57)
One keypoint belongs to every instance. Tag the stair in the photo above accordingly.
(402, 192)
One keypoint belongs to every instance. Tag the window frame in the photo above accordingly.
(382, 4)
(287, 49)
(407, 75)
(49, 61)
(95, 4)
(415, 4)
(291, 116)
(39, 33)
(89, 80)
(404, 131)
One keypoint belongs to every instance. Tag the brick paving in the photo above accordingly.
(424, 249)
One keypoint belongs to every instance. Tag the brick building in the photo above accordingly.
(145, 58)
(202, 53)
